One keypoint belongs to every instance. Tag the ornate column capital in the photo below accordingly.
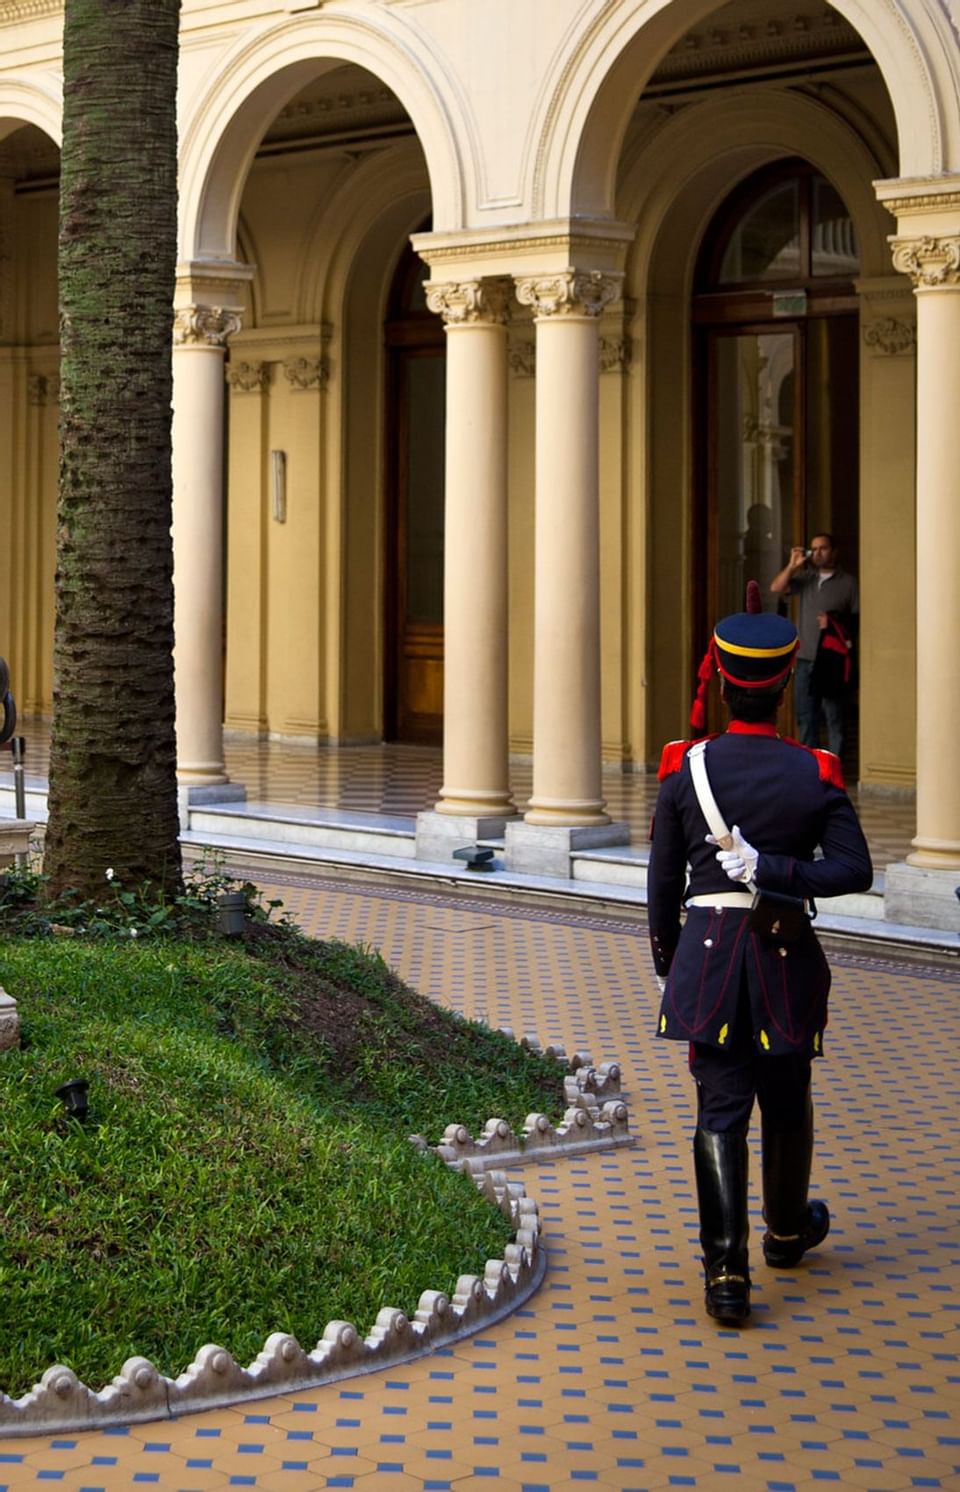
(468, 302)
(205, 326)
(572, 292)
(931, 262)
(248, 378)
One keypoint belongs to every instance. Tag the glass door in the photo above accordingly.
(756, 498)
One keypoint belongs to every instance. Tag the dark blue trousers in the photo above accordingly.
(730, 1078)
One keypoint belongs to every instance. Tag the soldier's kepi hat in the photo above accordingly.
(753, 649)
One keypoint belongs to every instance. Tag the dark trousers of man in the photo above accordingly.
(809, 703)
(728, 1082)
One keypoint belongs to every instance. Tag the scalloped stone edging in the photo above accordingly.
(585, 1126)
(215, 1379)
(583, 1129)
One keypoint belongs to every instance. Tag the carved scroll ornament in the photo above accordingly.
(205, 326)
(470, 301)
(307, 372)
(930, 262)
(889, 335)
(573, 292)
(248, 378)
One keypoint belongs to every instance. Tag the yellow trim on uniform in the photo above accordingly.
(732, 647)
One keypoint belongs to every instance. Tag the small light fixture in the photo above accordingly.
(232, 907)
(73, 1096)
(475, 857)
(278, 474)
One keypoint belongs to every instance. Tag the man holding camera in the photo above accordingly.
(829, 602)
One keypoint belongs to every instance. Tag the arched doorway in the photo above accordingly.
(414, 484)
(776, 365)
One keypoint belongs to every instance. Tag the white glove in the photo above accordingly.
(740, 861)
(661, 982)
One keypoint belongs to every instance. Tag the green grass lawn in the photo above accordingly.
(245, 1166)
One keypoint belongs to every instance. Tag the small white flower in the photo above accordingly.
(109, 872)
(133, 932)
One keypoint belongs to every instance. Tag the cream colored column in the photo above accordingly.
(475, 756)
(199, 339)
(566, 694)
(933, 263)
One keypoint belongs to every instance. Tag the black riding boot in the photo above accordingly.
(793, 1223)
(720, 1166)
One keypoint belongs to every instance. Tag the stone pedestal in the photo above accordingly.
(15, 836)
(439, 834)
(9, 1022)
(920, 897)
(542, 850)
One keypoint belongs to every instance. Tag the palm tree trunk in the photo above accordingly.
(113, 800)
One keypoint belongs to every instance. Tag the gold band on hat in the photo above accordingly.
(732, 647)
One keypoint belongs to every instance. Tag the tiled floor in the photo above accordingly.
(402, 780)
(611, 1376)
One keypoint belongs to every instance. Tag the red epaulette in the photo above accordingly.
(828, 765)
(830, 768)
(672, 756)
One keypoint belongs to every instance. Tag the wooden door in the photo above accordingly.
(415, 484)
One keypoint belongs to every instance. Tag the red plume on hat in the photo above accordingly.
(698, 710)
(754, 599)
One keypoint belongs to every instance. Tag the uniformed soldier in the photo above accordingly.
(752, 1004)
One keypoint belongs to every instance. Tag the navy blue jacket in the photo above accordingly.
(790, 804)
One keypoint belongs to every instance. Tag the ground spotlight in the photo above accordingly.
(73, 1096)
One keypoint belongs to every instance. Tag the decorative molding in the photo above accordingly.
(576, 239)
(888, 334)
(471, 301)
(248, 378)
(573, 292)
(616, 354)
(27, 10)
(205, 326)
(755, 40)
(905, 207)
(304, 373)
(930, 262)
(214, 1379)
(522, 357)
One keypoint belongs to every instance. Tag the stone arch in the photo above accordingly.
(698, 156)
(257, 79)
(37, 101)
(587, 102)
(396, 175)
